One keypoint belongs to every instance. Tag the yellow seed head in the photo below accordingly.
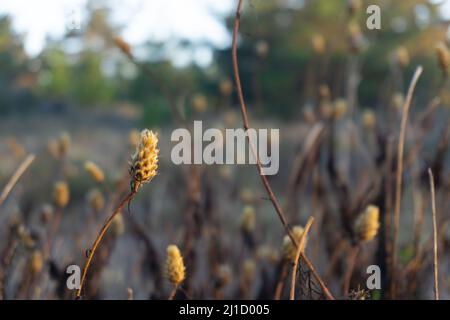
(199, 103)
(122, 45)
(118, 225)
(443, 55)
(226, 87)
(289, 249)
(175, 270)
(367, 224)
(340, 108)
(402, 56)
(262, 48)
(248, 219)
(94, 171)
(36, 262)
(61, 194)
(144, 162)
(249, 270)
(369, 119)
(96, 200)
(318, 44)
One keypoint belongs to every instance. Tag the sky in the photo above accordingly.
(196, 20)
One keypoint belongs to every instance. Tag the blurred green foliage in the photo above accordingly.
(280, 69)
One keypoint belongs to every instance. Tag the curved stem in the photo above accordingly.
(100, 236)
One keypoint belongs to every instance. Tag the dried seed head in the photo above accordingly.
(94, 171)
(46, 213)
(96, 200)
(262, 48)
(246, 196)
(224, 275)
(289, 249)
(268, 253)
(61, 194)
(369, 119)
(248, 219)
(123, 45)
(25, 236)
(402, 56)
(340, 108)
(248, 270)
(175, 270)
(144, 162)
(117, 225)
(398, 100)
(36, 262)
(443, 55)
(58, 148)
(226, 87)
(199, 103)
(318, 44)
(367, 224)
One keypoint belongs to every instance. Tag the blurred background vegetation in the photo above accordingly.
(281, 43)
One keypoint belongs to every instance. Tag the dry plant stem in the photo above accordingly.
(264, 180)
(435, 236)
(173, 292)
(297, 256)
(16, 176)
(398, 186)
(101, 234)
(350, 267)
(280, 283)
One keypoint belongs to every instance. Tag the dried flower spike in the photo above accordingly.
(175, 270)
(367, 224)
(61, 194)
(289, 249)
(248, 219)
(144, 162)
(94, 171)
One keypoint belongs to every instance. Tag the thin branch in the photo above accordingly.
(398, 187)
(16, 176)
(264, 180)
(100, 236)
(435, 236)
(297, 256)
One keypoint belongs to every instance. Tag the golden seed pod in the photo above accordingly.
(397, 100)
(402, 56)
(249, 269)
(367, 224)
(340, 108)
(61, 194)
(123, 45)
(369, 119)
(36, 262)
(289, 249)
(96, 200)
(199, 103)
(175, 270)
(94, 171)
(246, 196)
(226, 87)
(248, 219)
(224, 275)
(443, 55)
(144, 162)
(318, 44)
(118, 225)
(46, 213)
(262, 48)
(64, 144)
